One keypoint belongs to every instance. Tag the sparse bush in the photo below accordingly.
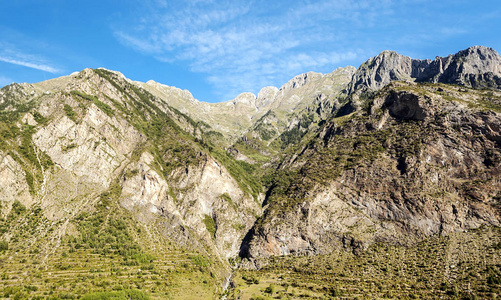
(116, 295)
(270, 289)
(210, 224)
(70, 113)
(200, 260)
(17, 209)
(4, 245)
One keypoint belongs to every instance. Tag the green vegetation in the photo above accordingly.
(264, 129)
(473, 98)
(293, 136)
(325, 162)
(17, 209)
(13, 107)
(488, 102)
(252, 148)
(26, 148)
(70, 113)
(68, 147)
(105, 255)
(39, 118)
(4, 245)
(105, 232)
(240, 171)
(227, 198)
(104, 107)
(83, 96)
(210, 224)
(201, 260)
(460, 266)
(117, 295)
(93, 99)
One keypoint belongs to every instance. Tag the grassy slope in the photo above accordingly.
(460, 266)
(102, 251)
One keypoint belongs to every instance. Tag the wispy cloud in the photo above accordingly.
(10, 54)
(245, 45)
(28, 64)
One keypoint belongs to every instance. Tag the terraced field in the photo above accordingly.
(459, 266)
(38, 265)
(82, 272)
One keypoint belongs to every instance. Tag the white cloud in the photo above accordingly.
(32, 65)
(453, 31)
(12, 55)
(137, 43)
(245, 45)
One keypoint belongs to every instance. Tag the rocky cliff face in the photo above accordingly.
(13, 184)
(476, 67)
(294, 110)
(422, 160)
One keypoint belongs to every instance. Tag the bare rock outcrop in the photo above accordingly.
(477, 67)
(13, 184)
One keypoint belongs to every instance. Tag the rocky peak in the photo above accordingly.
(266, 96)
(476, 66)
(244, 101)
(300, 80)
(380, 70)
(348, 70)
(168, 91)
(247, 98)
(481, 54)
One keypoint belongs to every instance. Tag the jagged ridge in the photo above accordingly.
(477, 67)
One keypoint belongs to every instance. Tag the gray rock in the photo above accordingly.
(477, 67)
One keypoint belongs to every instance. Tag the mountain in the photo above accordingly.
(93, 164)
(416, 162)
(476, 67)
(236, 117)
(117, 188)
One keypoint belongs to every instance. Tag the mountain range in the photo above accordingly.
(113, 187)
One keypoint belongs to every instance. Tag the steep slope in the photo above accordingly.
(93, 147)
(420, 160)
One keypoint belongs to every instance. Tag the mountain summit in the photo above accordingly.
(476, 67)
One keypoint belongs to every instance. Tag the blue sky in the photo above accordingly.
(218, 49)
